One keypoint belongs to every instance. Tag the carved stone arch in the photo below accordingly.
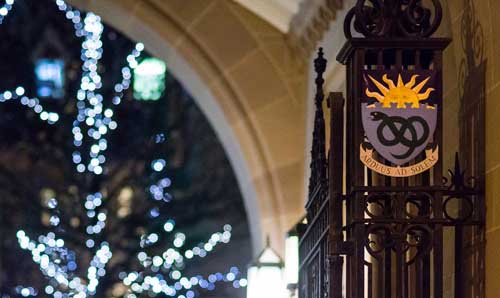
(242, 74)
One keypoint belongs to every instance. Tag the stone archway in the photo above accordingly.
(242, 74)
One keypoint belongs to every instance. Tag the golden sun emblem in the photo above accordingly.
(401, 94)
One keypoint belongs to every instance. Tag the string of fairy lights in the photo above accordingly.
(4, 10)
(160, 274)
(32, 103)
(93, 120)
(172, 261)
(57, 263)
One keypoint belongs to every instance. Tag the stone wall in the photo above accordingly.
(472, 66)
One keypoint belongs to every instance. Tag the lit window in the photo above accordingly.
(50, 77)
(149, 79)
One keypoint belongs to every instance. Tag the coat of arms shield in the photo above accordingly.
(399, 113)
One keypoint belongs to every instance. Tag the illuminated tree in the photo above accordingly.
(82, 252)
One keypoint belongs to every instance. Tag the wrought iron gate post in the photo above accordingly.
(376, 225)
(336, 244)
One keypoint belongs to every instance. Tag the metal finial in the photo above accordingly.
(319, 67)
(457, 175)
(320, 63)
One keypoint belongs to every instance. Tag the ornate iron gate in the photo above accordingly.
(383, 221)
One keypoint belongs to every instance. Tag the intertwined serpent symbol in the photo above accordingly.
(403, 132)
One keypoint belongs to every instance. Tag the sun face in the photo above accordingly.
(400, 94)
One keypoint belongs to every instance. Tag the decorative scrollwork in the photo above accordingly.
(417, 242)
(458, 181)
(418, 205)
(414, 241)
(378, 205)
(379, 237)
(393, 18)
(458, 208)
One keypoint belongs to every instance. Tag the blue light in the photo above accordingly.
(44, 91)
(71, 266)
(155, 212)
(50, 78)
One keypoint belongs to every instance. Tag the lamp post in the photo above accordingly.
(265, 275)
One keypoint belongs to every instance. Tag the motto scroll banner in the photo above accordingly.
(399, 119)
